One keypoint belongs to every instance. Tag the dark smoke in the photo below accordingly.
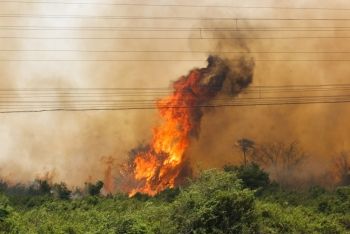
(221, 76)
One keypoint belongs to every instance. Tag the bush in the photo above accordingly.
(215, 203)
(94, 189)
(61, 191)
(343, 193)
(8, 223)
(130, 225)
(252, 176)
(168, 195)
(275, 218)
(316, 191)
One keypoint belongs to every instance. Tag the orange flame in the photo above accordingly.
(163, 163)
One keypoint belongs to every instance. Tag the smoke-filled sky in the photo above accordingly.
(72, 144)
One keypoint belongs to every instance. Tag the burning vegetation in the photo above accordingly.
(163, 163)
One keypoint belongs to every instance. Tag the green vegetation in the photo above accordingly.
(233, 200)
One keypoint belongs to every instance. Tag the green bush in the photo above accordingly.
(130, 225)
(94, 189)
(61, 191)
(275, 218)
(215, 203)
(252, 176)
(8, 222)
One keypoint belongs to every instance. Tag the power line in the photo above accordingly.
(157, 90)
(174, 51)
(156, 93)
(184, 99)
(96, 104)
(122, 17)
(87, 90)
(113, 100)
(174, 38)
(178, 107)
(116, 28)
(167, 60)
(124, 104)
(176, 5)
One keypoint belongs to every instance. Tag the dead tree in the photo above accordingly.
(279, 159)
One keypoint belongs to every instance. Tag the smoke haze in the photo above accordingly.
(73, 145)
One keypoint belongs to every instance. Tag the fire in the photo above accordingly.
(161, 164)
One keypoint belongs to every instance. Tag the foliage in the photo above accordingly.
(61, 191)
(215, 203)
(218, 201)
(275, 218)
(94, 189)
(251, 175)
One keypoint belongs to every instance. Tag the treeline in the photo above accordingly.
(235, 199)
(29, 195)
(292, 167)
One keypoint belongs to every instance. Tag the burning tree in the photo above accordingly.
(163, 163)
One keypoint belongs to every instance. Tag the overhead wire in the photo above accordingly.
(174, 51)
(172, 5)
(174, 38)
(86, 103)
(124, 104)
(166, 60)
(195, 28)
(67, 109)
(128, 17)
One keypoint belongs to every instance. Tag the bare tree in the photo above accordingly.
(245, 145)
(279, 159)
(342, 168)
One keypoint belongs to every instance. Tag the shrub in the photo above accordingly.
(7, 222)
(61, 191)
(316, 191)
(275, 218)
(130, 225)
(168, 195)
(215, 203)
(94, 189)
(252, 176)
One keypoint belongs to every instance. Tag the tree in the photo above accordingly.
(43, 187)
(279, 159)
(245, 145)
(61, 191)
(342, 168)
(94, 189)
